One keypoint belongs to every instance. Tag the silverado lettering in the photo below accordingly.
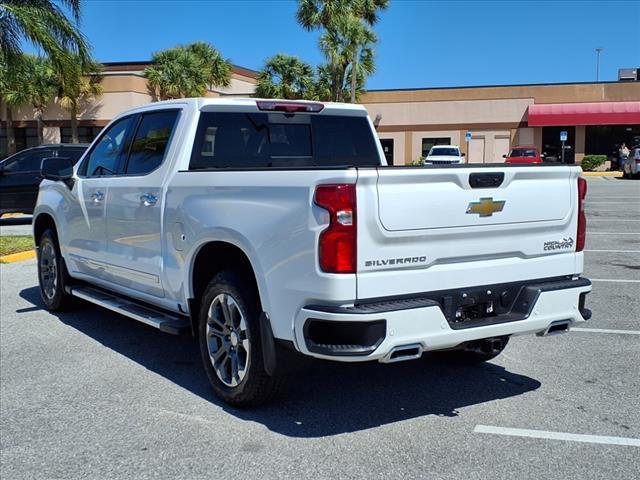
(394, 261)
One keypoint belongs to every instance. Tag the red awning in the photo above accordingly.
(597, 113)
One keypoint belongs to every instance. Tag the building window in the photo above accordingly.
(85, 134)
(25, 138)
(427, 143)
(387, 148)
(606, 139)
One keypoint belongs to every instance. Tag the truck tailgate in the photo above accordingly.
(439, 228)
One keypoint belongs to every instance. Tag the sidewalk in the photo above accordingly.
(602, 174)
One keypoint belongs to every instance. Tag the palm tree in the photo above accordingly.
(348, 37)
(285, 76)
(348, 47)
(78, 84)
(11, 80)
(313, 14)
(187, 71)
(44, 24)
(40, 87)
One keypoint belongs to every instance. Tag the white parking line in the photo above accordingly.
(615, 280)
(606, 330)
(614, 251)
(612, 219)
(568, 437)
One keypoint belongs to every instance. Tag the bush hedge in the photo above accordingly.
(591, 162)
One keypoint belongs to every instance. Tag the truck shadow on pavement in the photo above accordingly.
(327, 399)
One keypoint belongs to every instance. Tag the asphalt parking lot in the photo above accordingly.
(89, 394)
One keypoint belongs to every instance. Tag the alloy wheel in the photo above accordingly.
(227, 340)
(48, 270)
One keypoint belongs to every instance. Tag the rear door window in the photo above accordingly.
(262, 140)
(150, 143)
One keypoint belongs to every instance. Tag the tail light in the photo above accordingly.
(582, 218)
(337, 250)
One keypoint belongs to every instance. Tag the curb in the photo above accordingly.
(18, 257)
(602, 174)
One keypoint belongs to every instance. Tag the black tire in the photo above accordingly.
(256, 386)
(476, 352)
(52, 273)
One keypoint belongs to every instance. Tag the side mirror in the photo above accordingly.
(58, 169)
(504, 156)
(463, 154)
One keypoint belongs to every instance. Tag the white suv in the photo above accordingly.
(444, 155)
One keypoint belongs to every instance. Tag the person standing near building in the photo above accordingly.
(623, 155)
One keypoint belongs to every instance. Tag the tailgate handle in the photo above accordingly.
(486, 180)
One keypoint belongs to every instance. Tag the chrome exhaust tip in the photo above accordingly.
(556, 328)
(403, 352)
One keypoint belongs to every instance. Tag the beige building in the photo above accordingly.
(596, 116)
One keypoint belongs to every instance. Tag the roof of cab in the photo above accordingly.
(201, 102)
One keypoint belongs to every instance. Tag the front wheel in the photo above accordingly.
(230, 342)
(51, 273)
(475, 352)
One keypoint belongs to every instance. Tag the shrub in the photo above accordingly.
(418, 162)
(591, 162)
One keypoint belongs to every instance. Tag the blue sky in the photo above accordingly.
(422, 43)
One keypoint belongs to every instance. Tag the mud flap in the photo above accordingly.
(279, 359)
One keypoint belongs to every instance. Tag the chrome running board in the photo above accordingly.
(164, 321)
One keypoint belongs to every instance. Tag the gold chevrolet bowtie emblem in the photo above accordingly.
(486, 207)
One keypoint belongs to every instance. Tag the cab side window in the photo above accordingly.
(104, 158)
(151, 142)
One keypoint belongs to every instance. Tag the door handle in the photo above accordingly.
(148, 199)
(97, 197)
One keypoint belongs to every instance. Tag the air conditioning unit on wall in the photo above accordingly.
(628, 74)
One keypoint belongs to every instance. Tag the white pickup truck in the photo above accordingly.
(273, 230)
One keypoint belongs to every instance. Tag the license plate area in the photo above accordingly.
(477, 306)
(474, 311)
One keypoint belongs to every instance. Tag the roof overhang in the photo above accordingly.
(596, 113)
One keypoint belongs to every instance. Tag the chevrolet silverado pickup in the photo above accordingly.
(274, 230)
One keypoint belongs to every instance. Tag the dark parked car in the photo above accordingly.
(20, 175)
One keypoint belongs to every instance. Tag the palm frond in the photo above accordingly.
(43, 23)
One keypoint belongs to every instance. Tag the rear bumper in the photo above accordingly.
(372, 331)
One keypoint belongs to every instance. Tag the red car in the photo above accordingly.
(524, 154)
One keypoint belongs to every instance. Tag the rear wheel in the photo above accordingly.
(51, 273)
(230, 343)
(475, 352)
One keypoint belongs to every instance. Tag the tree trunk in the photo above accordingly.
(11, 134)
(74, 123)
(354, 64)
(335, 88)
(40, 127)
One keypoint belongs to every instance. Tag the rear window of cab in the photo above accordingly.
(262, 140)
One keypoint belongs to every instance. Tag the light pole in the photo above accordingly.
(598, 50)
